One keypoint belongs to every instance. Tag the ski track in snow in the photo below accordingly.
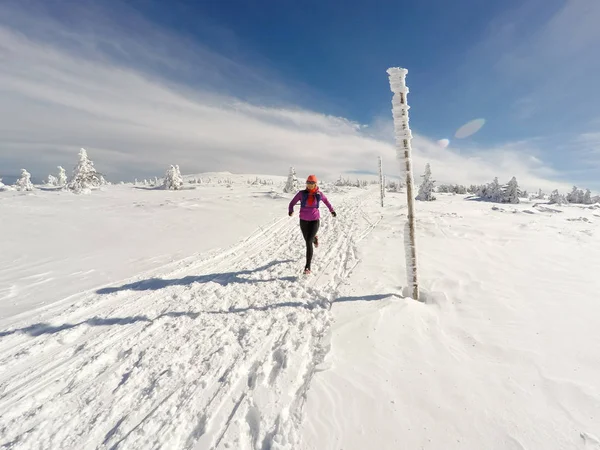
(204, 354)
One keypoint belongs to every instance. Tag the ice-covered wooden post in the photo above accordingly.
(381, 186)
(403, 136)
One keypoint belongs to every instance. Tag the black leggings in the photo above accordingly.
(309, 231)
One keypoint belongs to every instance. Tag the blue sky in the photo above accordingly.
(258, 86)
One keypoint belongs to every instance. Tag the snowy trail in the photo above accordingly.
(216, 353)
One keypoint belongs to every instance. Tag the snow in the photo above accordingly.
(141, 318)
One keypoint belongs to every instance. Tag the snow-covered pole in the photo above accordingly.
(397, 77)
(381, 187)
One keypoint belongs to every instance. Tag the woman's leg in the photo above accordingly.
(309, 231)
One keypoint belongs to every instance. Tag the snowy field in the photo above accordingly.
(134, 318)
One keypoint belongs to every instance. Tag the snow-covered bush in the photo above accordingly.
(575, 196)
(291, 185)
(260, 181)
(494, 192)
(556, 198)
(427, 187)
(474, 189)
(353, 183)
(52, 180)
(578, 196)
(452, 189)
(173, 178)
(24, 183)
(394, 186)
(85, 175)
(62, 177)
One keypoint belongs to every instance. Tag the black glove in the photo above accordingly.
(333, 214)
(291, 213)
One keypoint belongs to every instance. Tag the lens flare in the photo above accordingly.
(469, 128)
(443, 143)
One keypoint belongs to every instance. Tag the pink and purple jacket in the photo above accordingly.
(309, 212)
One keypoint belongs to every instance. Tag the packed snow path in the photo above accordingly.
(211, 353)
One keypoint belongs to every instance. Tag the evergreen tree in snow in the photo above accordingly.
(173, 179)
(494, 191)
(85, 175)
(24, 183)
(511, 192)
(556, 198)
(540, 195)
(52, 180)
(427, 187)
(291, 184)
(62, 177)
(587, 197)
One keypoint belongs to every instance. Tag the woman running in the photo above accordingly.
(310, 199)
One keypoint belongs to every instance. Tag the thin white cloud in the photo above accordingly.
(55, 98)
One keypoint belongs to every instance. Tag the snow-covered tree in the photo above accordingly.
(85, 175)
(291, 185)
(393, 186)
(575, 196)
(24, 183)
(173, 179)
(556, 198)
(452, 189)
(52, 180)
(427, 187)
(511, 192)
(62, 177)
(540, 195)
(494, 191)
(587, 197)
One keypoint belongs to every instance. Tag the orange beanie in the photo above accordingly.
(312, 179)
